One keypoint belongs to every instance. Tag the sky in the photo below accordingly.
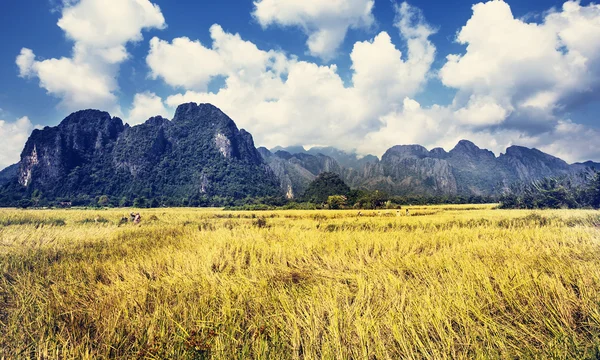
(360, 75)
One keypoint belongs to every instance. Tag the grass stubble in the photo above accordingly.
(448, 282)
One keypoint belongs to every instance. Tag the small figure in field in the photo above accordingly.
(132, 217)
(360, 213)
(397, 212)
(123, 220)
(96, 219)
(407, 212)
(137, 219)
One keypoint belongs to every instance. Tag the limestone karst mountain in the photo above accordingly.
(201, 157)
(200, 153)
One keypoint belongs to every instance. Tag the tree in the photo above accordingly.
(25, 203)
(140, 202)
(594, 191)
(36, 197)
(372, 200)
(337, 202)
(124, 202)
(103, 201)
(325, 185)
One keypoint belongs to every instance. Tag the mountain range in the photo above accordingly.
(202, 154)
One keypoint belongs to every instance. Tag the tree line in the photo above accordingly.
(568, 192)
(328, 191)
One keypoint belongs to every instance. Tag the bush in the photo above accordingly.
(103, 201)
(337, 202)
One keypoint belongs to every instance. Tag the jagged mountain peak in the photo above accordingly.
(199, 113)
(85, 117)
(157, 121)
(521, 152)
(407, 151)
(264, 152)
(469, 149)
(283, 154)
(438, 152)
(294, 149)
(91, 121)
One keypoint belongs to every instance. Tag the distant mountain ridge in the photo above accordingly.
(201, 155)
(465, 170)
(344, 158)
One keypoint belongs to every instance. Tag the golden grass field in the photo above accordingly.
(448, 282)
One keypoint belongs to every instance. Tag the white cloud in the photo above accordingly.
(109, 24)
(481, 111)
(78, 83)
(571, 142)
(145, 106)
(13, 135)
(527, 67)
(190, 65)
(325, 22)
(25, 62)
(285, 101)
(100, 29)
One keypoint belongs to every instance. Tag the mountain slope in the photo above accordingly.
(9, 174)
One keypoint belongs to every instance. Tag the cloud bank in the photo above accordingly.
(516, 82)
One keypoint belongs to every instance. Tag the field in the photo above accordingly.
(449, 282)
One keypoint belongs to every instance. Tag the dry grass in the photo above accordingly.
(446, 283)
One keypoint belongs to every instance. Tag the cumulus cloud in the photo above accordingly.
(100, 30)
(109, 24)
(146, 105)
(286, 101)
(14, 135)
(190, 65)
(523, 68)
(79, 83)
(325, 22)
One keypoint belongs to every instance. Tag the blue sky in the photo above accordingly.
(365, 90)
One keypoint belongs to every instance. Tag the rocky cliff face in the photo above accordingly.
(477, 171)
(587, 166)
(412, 168)
(200, 151)
(529, 164)
(82, 138)
(296, 171)
(465, 170)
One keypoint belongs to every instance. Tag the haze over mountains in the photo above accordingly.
(201, 153)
